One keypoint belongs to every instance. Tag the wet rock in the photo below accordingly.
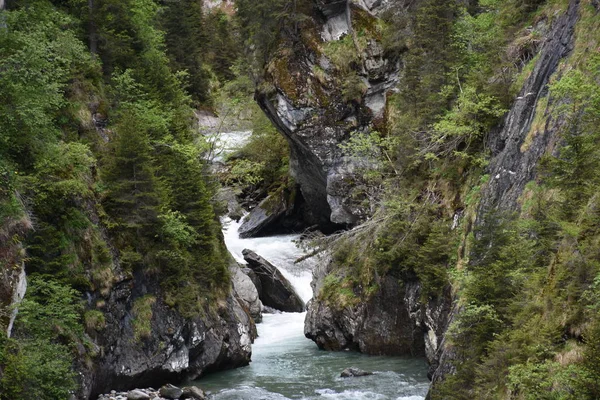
(137, 394)
(246, 291)
(170, 392)
(193, 392)
(353, 371)
(254, 278)
(276, 291)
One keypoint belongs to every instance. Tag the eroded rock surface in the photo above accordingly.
(178, 348)
(393, 321)
(246, 291)
(313, 110)
(276, 291)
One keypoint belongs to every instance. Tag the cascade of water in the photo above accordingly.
(286, 365)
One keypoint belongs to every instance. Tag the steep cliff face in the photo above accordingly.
(318, 99)
(395, 318)
(393, 321)
(174, 348)
(518, 147)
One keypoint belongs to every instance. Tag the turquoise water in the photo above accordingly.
(286, 365)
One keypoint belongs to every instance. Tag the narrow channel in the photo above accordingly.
(286, 365)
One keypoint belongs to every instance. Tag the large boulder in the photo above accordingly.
(246, 291)
(280, 212)
(181, 347)
(169, 391)
(193, 392)
(276, 291)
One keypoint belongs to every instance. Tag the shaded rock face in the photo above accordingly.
(281, 212)
(309, 107)
(275, 290)
(514, 164)
(393, 321)
(178, 348)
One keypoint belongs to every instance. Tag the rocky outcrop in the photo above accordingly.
(246, 291)
(518, 147)
(281, 212)
(178, 347)
(275, 290)
(393, 321)
(312, 106)
(515, 164)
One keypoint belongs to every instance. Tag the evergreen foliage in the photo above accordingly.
(97, 147)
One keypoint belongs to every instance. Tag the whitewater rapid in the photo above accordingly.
(285, 365)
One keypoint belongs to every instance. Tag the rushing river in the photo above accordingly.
(286, 365)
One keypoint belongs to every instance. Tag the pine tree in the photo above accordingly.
(132, 200)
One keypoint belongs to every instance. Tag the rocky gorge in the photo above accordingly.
(442, 189)
(307, 104)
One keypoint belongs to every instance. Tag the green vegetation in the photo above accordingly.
(102, 178)
(529, 323)
(261, 167)
(526, 282)
(142, 317)
(38, 365)
(98, 148)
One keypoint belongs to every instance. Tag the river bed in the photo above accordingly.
(286, 365)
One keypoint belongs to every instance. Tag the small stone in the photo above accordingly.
(193, 392)
(353, 371)
(137, 395)
(170, 392)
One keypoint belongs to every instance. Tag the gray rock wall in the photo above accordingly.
(513, 164)
(394, 321)
(309, 107)
(178, 347)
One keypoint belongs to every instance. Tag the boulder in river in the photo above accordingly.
(193, 392)
(353, 371)
(280, 212)
(170, 392)
(276, 291)
(137, 394)
(246, 291)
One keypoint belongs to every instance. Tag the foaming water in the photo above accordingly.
(285, 365)
(280, 251)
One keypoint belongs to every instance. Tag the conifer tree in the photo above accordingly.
(132, 199)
